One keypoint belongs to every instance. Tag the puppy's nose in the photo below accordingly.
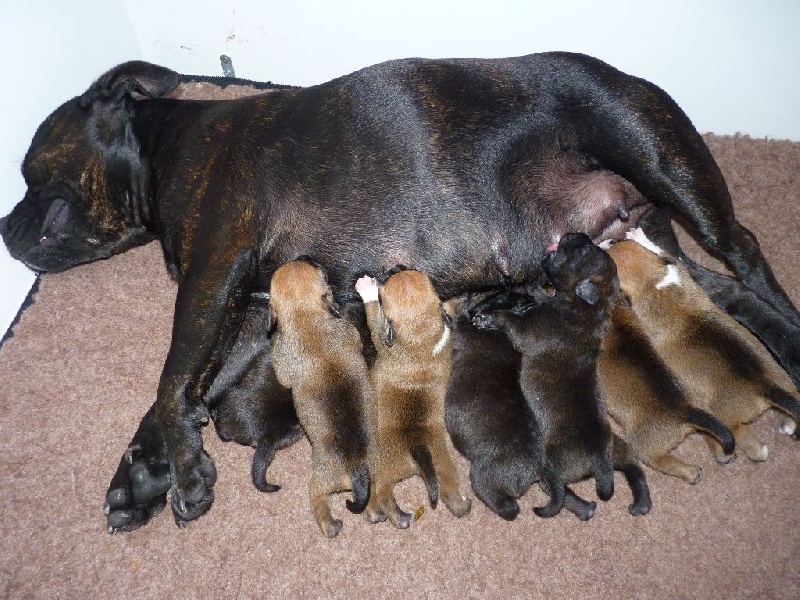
(552, 248)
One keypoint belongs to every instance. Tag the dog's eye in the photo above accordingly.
(55, 219)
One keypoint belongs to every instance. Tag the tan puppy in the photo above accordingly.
(648, 401)
(723, 367)
(319, 356)
(411, 331)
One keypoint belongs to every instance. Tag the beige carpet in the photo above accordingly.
(83, 366)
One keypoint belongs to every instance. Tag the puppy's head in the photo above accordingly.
(88, 183)
(644, 270)
(413, 315)
(581, 271)
(300, 288)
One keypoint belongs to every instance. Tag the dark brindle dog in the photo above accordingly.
(447, 166)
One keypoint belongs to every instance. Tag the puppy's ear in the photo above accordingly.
(587, 291)
(332, 307)
(388, 333)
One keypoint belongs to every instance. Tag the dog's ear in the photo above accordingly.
(136, 76)
(388, 333)
(587, 291)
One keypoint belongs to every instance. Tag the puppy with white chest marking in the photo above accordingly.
(559, 339)
(411, 331)
(723, 367)
(319, 356)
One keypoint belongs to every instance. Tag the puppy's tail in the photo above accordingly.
(713, 426)
(553, 485)
(360, 481)
(422, 456)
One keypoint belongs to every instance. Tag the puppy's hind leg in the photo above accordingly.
(489, 491)
(318, 492)
(382, 505)
(750, 444)
(625, 462)
(677, 468)
(453, 499)
(267, 446)
(578, 506)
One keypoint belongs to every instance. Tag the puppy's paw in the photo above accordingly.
(367, 288)
(695, 475)
(195, 496)
(507, 508)
(459, 506)
(332, 528)
(788, 427)
(640, 508)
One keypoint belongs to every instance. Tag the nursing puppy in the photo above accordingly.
(319, 356)
(491, 424)
(723, 367)
(246, 402)
(648, 401)
(411, 331)
(560, 341)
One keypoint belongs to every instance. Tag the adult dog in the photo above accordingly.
(446, 166)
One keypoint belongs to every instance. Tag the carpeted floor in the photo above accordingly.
(82, 367)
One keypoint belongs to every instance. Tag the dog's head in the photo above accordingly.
(645, 269)
(581, 271)
(88, 184)
(413, 312)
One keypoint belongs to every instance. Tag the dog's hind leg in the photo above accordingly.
(318, 492)
(383, 505)
(490, 491)
(453, 499)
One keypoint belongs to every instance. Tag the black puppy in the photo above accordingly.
(559, 339)
(362, 173)
(246, 402)
(491, 424)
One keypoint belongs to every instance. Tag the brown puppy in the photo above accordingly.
(319, 356)
(723, 367)
(648, 401)
(411, 331)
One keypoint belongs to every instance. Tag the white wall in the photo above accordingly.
(731, 64)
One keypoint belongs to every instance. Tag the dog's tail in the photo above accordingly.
(422, 456)
(604, 478)
(784, 401)
(554, 486)
(713, 426)
(360, 481)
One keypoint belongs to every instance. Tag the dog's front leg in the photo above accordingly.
(209, 310)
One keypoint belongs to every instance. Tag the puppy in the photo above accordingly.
(246, 402)
(648, 401)
(319, 356)
(723, 367)
(559, 339)
(411, 331)
(491, 424)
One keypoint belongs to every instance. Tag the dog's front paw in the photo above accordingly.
(194, 497)
(138, 490)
